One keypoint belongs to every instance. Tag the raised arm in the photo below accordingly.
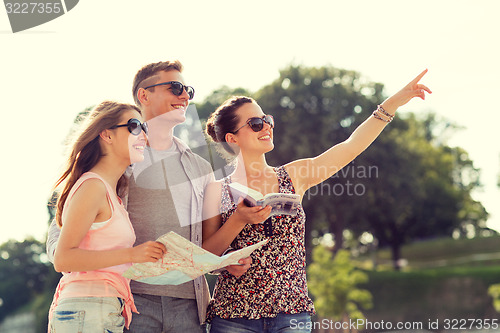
(88, 205)
(309, 172)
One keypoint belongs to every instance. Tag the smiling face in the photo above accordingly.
(129, 147)
(248, 141)
(161, 103)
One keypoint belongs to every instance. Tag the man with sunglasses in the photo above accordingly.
(166, 194)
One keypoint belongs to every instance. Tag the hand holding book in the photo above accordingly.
(251, 214)
(281, 203)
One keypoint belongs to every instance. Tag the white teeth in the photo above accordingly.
(265, 137)
(178, 106)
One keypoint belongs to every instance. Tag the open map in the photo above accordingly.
(184, 261)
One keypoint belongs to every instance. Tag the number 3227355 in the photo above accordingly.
(33, 7)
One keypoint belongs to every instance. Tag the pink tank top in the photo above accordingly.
(115, 233)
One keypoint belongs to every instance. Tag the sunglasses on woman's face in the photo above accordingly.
(257, 123)
(134, 126)
(176, 87)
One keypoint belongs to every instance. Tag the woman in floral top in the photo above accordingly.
(268, 292)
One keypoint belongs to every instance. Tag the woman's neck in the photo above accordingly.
(251, 168)
(109, 170)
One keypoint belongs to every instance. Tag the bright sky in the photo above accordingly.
(51, 72)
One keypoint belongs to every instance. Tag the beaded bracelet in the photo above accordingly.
(376, 115)
(385, 113)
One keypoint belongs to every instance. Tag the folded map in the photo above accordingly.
(184, 261)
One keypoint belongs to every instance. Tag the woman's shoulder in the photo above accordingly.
(91, 186)
(87, 192)
(294, 174)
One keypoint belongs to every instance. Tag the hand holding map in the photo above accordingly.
(184, 261)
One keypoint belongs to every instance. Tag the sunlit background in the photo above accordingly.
(50, 73)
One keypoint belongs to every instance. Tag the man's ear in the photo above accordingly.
(142, 96)
(106, 136)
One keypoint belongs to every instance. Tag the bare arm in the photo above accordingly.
(89, 204)
(306, 173)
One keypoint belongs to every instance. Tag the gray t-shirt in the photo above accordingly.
(159, 201)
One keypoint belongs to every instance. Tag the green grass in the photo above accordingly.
(444, 278)
(442, 252)
(430, 294)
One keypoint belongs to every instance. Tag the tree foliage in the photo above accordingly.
(423, 187)
(333, 281)
(24, 273)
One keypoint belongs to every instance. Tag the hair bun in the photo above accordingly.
(210, 129)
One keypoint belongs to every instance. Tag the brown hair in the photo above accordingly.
(224, 120)
(85, 150)
(147, 75)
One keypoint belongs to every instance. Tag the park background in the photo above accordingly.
(52, 72)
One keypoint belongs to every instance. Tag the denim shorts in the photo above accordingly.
(88, 315)
(282, 323)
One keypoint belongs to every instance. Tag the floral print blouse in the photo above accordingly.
(276, 281)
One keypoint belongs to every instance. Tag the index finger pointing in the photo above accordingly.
(415, 80)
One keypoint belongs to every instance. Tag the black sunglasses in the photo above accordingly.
(134, 126)
(176, 87)
(257, 123)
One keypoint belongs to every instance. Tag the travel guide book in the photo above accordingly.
(281, 203)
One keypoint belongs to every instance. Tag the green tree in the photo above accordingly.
(24, 274)
(216, 98)
(422, 189)
(333, 281)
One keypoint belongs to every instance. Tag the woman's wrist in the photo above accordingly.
(129, 254)
(236, 220)
(389, 106)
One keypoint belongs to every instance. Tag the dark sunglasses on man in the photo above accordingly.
(134, 126)
(257, 123)
(176, 87)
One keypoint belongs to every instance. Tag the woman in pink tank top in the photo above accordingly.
(96, 242)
